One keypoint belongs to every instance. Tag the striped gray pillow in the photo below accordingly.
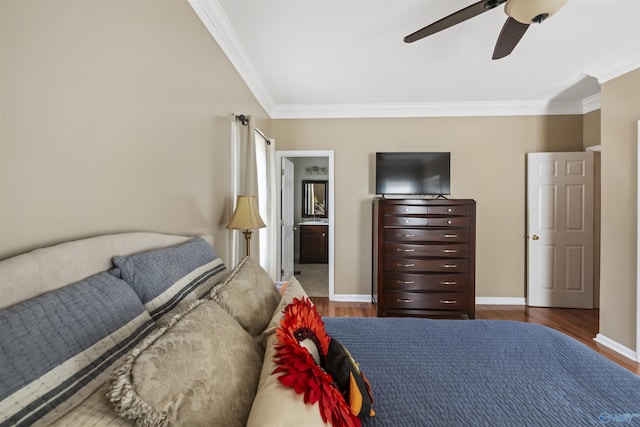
(167, 280)
(56, 349)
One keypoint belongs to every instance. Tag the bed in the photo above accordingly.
(485, 373)
(128, 298)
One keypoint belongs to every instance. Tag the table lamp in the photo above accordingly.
(246, 217)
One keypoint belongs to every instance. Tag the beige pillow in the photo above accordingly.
(249, 295)
(293, 290)
(200, 370)
(276, 405)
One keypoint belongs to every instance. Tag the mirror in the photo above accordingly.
(314, 199)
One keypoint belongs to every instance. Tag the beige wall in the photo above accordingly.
(488, 165)
(115, 116)
(620, 100)
(591, 129)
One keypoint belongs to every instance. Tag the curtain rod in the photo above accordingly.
(245, 121)
(266, 138)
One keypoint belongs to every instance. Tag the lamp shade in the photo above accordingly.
(246, 215)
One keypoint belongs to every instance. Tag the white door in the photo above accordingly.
(286, 258)
(560, 229)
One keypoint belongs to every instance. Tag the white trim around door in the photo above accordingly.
(638, 251)
(315, 153)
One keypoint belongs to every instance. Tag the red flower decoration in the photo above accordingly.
(299, 369)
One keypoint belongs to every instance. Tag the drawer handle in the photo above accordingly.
(406, 250)
(450, 251)
(406, 265)
(448, 301)
(450, 236)
(405, 235)
(404, 300)
(448, 282)
(404, 282)
(448, 265)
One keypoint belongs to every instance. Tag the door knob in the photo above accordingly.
(535, 237)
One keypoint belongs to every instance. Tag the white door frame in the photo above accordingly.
(638, 252)
(315, 153)
(287, 226)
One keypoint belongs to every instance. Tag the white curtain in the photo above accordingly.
(267, 202)
(243, 179)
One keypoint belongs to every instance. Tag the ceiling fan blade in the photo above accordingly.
(453, 19)
(510, 35)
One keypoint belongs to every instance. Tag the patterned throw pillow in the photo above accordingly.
(302, 350)
(249, 295)
(351, 381)
(202, 369)
(167, 280)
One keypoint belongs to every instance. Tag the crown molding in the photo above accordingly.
(437, 109)
(215, 20)
(591, 103)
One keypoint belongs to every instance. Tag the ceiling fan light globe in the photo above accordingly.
(529, 11)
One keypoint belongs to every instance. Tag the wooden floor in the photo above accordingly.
(579, 324)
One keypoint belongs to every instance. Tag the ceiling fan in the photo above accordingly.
(521, 14)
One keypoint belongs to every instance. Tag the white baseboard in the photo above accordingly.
(501, 300)
(617, 347)
(351, 298)
(479, 300)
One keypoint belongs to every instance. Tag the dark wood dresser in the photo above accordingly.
(424, 257)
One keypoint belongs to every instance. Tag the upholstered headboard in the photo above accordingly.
(42, 270)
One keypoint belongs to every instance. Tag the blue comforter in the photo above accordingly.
(485, 373)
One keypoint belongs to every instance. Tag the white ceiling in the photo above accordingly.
(346, 58)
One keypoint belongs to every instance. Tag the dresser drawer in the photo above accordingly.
(453, 250)
(422, 235)
(460, 210)
(450, 210)
(426, 265)
(426, 282)
(426, 301)
(419, 221)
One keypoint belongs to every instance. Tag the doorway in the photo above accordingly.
(317, 165)
(560, 233)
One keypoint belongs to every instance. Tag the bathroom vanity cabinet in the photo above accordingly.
(314, 243)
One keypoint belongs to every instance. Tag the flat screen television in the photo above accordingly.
(418, 173)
